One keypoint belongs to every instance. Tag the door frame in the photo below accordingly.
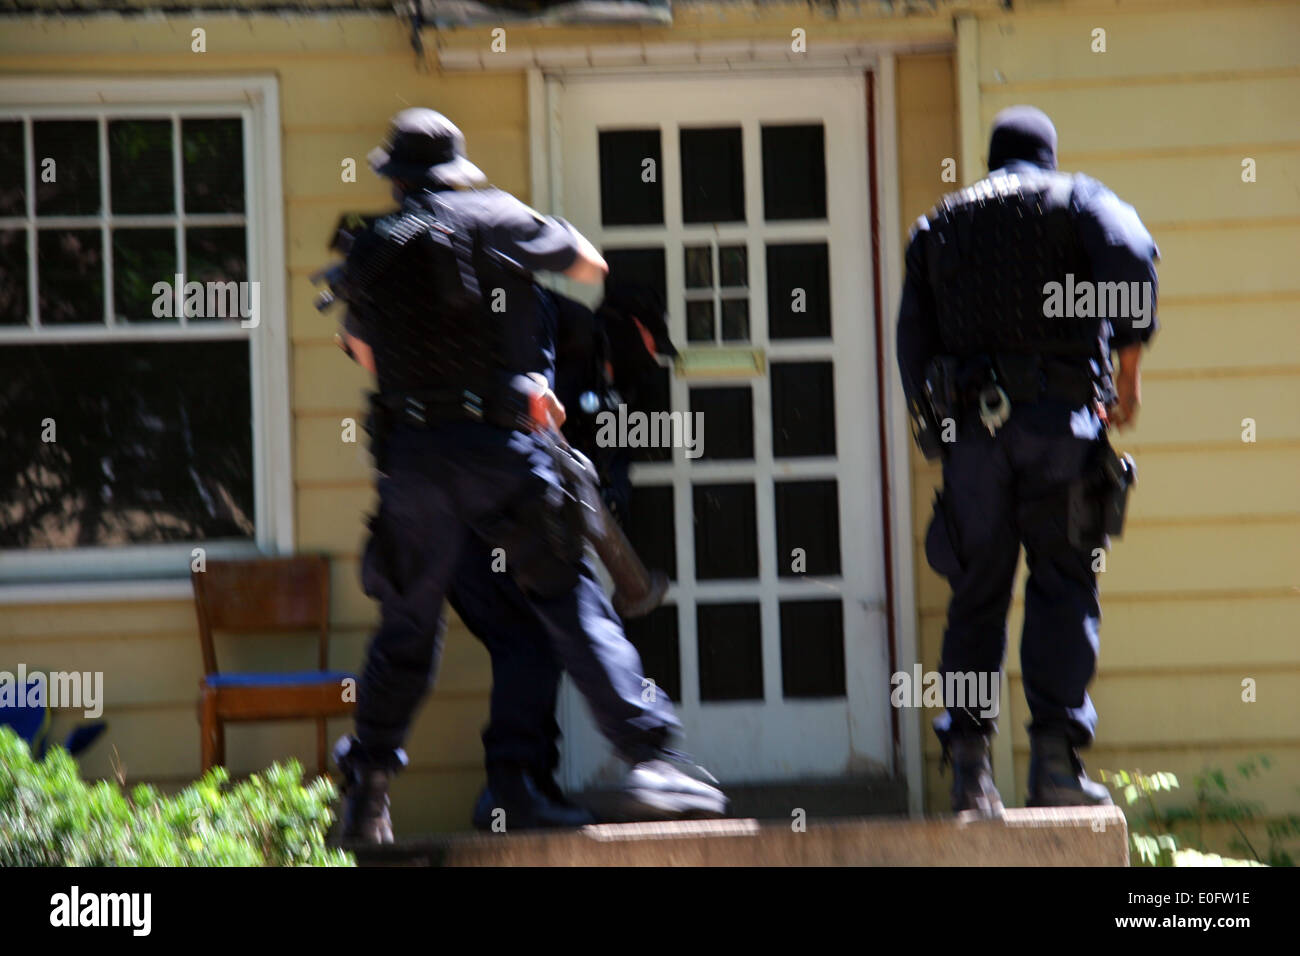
(546, 191)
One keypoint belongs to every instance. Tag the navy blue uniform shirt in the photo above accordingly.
(1118, 246)
(518, 241)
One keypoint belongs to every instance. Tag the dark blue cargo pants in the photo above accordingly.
(525, 671)
(1000, 492)
(441, 487)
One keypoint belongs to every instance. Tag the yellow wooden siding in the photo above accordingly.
(1050, 43)
(926, 110)
(338, 86)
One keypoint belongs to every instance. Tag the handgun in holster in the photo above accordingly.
(940, 400)
(1099, 500)
(1120, 473)
(925, 428)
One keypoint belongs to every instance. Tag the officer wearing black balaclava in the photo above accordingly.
(1027, 300)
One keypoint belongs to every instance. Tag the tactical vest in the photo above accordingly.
(417, 275)
(991, 250)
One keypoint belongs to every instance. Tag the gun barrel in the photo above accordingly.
(637, 591)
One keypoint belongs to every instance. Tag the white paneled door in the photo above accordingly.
(745, 200)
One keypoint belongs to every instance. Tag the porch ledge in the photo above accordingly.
(1074, 836)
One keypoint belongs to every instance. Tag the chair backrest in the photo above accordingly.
(263, 594)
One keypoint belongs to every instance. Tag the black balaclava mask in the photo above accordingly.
(1024, 133)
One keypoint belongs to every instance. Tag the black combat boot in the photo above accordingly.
(525, 800)
(545, 780)
(365, 793)
(972, 775)
(1057, 777)
(481, 816)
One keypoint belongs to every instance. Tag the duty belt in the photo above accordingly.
(1031, 378)
(502, 407)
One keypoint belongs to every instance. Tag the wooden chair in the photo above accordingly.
(267, 594)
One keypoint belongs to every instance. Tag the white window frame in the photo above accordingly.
(141, 571)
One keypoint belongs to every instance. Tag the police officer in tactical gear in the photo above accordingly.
(597, 364)
(1018, 292)
(442, 293)
(520, 743)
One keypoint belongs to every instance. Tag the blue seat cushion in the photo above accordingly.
(285, 679)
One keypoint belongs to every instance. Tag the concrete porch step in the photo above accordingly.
(1073, 836)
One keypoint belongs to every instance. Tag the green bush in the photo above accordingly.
(1174, 835)
(49, 816)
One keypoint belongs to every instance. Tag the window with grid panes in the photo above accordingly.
(123, 427)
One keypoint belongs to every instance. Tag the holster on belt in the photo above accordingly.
(939, 402)
(498, 403)
(1120, 475)
(1099, 499)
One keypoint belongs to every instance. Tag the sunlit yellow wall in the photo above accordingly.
(340, 80)
(926, 106)
(1204, 591)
